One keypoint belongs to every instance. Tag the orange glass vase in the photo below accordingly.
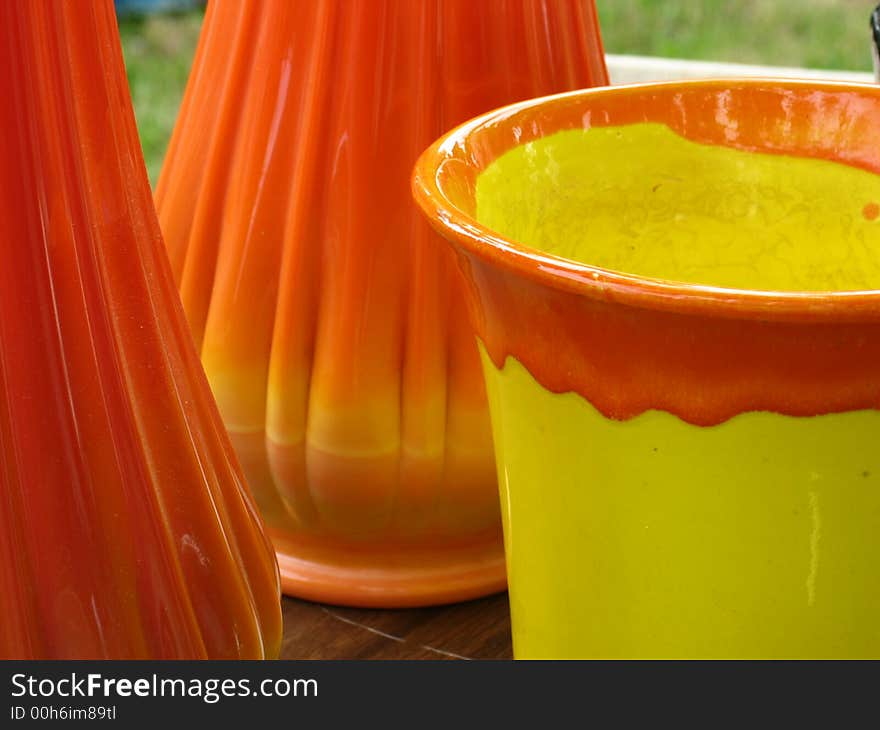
(126, 530)
(330, 318)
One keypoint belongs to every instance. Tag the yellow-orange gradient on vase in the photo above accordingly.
(330, 319)
(126, 529)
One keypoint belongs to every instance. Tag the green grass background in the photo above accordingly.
(829, 34)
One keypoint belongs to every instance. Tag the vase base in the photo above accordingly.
(388, 576)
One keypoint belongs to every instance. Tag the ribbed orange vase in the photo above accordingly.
(330, 319)
(126, 530)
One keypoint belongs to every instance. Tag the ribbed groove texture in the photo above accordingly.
(126, 530)
(331, 320)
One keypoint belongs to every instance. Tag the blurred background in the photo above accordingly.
(159, 38)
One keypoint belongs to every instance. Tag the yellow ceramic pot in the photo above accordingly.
(675, 288)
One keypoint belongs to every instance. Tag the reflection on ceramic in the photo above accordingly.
(126, 530)
(330, 319)
(687, 470)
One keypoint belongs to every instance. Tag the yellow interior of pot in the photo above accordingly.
(643, 200)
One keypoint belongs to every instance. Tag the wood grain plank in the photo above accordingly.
(473, 630)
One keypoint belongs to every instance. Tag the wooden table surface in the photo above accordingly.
(474, 630)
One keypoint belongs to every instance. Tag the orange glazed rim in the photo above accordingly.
(453, 162)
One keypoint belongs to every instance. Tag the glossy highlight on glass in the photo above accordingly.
(687, 470)
(126, 528)
(331, 320)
